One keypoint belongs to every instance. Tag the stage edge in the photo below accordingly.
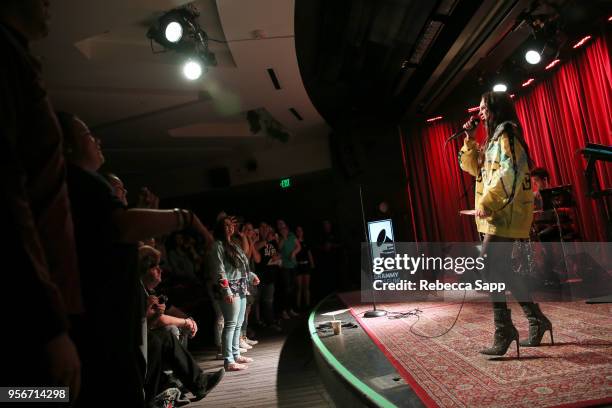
(371, 395)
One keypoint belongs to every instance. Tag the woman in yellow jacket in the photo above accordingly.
(504, 212)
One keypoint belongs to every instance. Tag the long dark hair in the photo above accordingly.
(231, 251)
(501, 109)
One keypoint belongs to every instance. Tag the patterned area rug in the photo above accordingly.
(448, 371)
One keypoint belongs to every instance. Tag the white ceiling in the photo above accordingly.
(98, 64)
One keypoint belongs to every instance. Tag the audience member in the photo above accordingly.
(106, 234)
(289, 247)
(35, 211)
(231, 271)
(165, 351)
(268, 269)
(253, 255)
(305, 265)
(118, 188)
(183, 259)
(168, 316)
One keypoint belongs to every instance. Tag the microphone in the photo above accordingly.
(474, 120)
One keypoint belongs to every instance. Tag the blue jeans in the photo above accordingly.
(233, 314)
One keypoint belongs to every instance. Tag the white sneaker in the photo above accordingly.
(242, 350)
(219, 356)
(245, 345)
(243, 359)
(251, 342)
(235, 367)
(285, 316)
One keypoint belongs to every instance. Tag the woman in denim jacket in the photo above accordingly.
(230, 269)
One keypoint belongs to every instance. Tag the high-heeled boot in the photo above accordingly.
(505, 334)
(538, 325)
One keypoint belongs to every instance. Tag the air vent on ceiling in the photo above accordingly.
(296, 114)
(273, 78)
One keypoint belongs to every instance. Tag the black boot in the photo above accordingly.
(538, 325)
(505, 334)
(206, 383)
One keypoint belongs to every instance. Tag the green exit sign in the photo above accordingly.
(285, 183)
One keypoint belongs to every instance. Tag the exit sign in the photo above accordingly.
(285, 183)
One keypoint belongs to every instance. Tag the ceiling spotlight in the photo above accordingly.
(179, 30)
(533, 57)
(500, 87)
(174, 32)
(192, 70)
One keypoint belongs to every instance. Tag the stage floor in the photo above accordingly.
(383, 363)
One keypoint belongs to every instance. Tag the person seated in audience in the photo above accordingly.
(106, 235)
(167, 316)
(164, 350)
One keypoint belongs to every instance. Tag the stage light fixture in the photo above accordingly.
(192, 69)
(434, 119)
(500, 87)
(178, 30)
(533, 57)
(174, 31)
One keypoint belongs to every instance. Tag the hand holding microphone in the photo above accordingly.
(469, 128)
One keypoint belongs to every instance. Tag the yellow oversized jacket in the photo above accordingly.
(511, 215)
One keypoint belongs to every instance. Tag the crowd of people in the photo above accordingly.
(109, 292)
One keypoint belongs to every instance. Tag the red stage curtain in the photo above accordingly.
(559, 116)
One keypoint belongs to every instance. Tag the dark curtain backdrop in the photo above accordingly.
(559, 116)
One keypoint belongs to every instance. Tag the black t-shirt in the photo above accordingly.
(302, 256)
(108, 269)
(267, 251)
(264, 269)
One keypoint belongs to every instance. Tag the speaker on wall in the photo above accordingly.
(219, 177)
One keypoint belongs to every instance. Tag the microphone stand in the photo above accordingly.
(374, 312)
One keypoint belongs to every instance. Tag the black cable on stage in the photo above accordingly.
(417, 312)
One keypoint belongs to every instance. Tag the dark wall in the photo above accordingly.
(364, 154)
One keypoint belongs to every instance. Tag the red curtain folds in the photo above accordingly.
(559, 116)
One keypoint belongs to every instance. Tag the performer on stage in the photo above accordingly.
(504, 212)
